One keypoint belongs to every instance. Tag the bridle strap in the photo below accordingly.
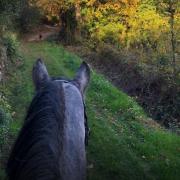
(87, 129)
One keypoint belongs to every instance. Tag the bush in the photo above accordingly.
(29, 18)
(109, 33)
(5, 118)
(5, 22)
(11, 44)
(144, 30)
(151, 85)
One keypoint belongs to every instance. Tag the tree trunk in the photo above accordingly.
(68, 25)
(173, 41)
(78, 19)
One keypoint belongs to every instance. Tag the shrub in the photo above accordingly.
(4, 126)
(5, 22)
(29, 18)
(147, 28)
(5, 118)
(11, 44)
(109, 33)
(150, 84)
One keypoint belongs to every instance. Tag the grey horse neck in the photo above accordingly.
(73, 152)
(51, 143)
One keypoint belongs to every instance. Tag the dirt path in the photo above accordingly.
(40, 33)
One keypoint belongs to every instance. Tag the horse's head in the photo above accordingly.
(74, 89)
(51, 143)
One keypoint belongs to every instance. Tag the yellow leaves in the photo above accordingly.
(98, 14)
(109, 32)
(90, 2)
(151, 20)
(147, 25)
(125, 21)
(130, 2)
(115, 6)
(53, 7)
(48, 5)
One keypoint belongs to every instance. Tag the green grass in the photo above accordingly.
(124, 143)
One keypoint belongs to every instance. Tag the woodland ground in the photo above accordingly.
(124, 142)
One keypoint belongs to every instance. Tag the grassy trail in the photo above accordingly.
(124, 143)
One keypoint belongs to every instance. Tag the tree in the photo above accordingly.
(170, 9)
(68, 12)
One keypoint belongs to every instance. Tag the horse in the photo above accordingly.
(52, 142)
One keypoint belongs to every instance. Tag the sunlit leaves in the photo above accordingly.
(124, 21)
(109, 33)
(52, 8)
(146, 26)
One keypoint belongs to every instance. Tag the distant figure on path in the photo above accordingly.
(40, 36)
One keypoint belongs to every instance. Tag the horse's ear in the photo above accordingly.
(83, 76)
(39, 74)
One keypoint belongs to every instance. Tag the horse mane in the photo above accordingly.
(39, 142)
